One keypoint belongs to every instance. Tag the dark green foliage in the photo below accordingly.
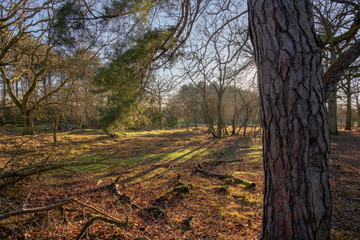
(68, 23)
(126, 78)
(120, 7)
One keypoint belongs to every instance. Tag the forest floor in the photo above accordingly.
(158, 185)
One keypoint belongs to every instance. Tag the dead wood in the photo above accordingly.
(106, 217)
(221, 190)
(236, 180)
(178, 177)
(186, 224)
(220, 162)
(98, 218)
(122, 197)
(181, 189)
(22, 211)
(153, 212)
(61, 204)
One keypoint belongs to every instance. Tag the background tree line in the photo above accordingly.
(64, 62)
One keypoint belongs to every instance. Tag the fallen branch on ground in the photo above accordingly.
(106, 217)
(198, 168)
(122, 197)
(22, 211)
(98, 218)
(182, 189)
(219, 162)
(62, 203)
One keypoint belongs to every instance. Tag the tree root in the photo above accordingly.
(233, 179)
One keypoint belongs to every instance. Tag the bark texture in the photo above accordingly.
(28, 124)
(297, 201)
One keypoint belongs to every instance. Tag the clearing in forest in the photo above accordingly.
(170, 184)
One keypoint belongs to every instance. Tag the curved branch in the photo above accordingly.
(98, 218)
(337, 69)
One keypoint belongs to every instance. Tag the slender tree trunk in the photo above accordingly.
(225, 131)
(245, 125)
(297, 201)
(160, 114)
(358, 109)
(28, 124)
(233, 123)
(234, 115)
(332, 108)
(207, 117)
(55, 128)
(332, 101)
(348, 108)
(196, 123)
(219, 115)
(17, 88)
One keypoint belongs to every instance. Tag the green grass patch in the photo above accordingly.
(180, 155)
(250, 148)
(245, 173)
(254, 156)
(99, 164)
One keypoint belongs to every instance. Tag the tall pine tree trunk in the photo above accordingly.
(297, 201)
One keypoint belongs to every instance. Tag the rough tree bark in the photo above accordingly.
(28, 124)
(297, 201)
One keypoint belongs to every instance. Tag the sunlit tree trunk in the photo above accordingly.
(28, 124)
(297, 201)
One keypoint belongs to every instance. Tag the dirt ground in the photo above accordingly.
(158, 186)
